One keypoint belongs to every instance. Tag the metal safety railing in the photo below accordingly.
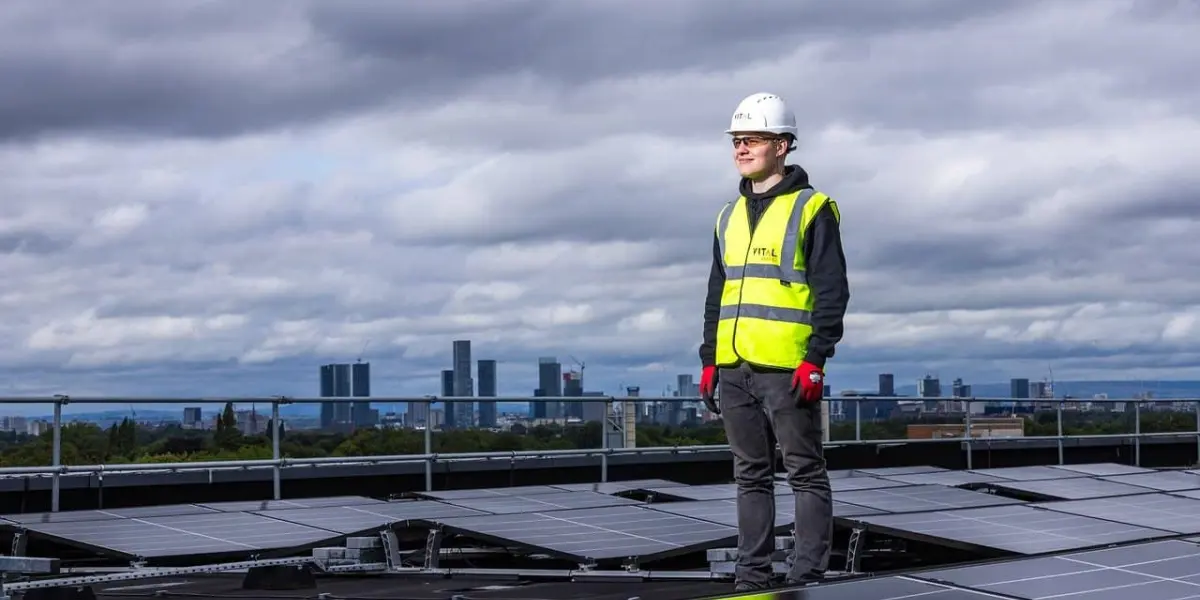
(277, 463)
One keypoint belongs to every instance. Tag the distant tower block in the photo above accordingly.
(629, 414)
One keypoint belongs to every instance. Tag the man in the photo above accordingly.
(777, 295)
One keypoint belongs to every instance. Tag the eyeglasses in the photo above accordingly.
(753, 141)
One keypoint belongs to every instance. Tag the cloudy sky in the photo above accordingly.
(214, 198)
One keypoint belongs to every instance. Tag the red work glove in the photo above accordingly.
(808, 383)
(708, 389)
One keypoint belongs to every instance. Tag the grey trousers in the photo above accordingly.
(756, 403)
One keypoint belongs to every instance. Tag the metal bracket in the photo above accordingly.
(151, 574)
(433, 548)
(19, 542)
(391, 549)
(854, 548)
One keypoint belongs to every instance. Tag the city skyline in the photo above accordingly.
(223, 229)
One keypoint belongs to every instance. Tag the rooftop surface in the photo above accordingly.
(1031, 532)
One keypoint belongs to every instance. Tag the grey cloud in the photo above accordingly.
(225, 69)
(32, 242)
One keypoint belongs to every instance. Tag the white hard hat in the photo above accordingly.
(766, 113)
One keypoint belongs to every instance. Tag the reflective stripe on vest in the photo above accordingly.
(765, 316)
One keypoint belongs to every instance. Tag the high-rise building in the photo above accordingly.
(193, 417)
(929, 387)
(573, 388)
(550, 384)
(487, 389)
(335, 383)
(958, 389)
(1018, 388)
(685, 387)
(360, 412)
(887, 384)
(462, 414)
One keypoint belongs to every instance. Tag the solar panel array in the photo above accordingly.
(542, 502)
(1081, 488)
(724, 512)
(1017, 529)
(917, 498)
(1088, 506)
(884, 588)
(1165, 570)
(1159, 511)
(1080, 507)
(185, 535)
(614, 532)
(1163, 481)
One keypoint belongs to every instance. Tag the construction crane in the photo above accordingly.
(582, 366)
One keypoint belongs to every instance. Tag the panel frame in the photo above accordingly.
(614, 500)
(1011, 473)
(856, 498)
(1019, 488)
(65, 538)
(784, 509)
(979, 548)
(473, 493)
(236, 506)
(383, 520)
(1082, 564)
(1060, 505)
(456, 527)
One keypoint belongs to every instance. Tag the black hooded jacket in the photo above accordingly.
(825, 264)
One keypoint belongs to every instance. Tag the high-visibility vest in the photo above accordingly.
(766, 305)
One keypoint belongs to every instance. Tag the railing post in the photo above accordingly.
(858, 419)
(276, 474)
(428, 444)
(1137, 433)
(1196, 406)
(967, 435)
(1060, 432)
(56, 452)
(608, 414)
(826, 406)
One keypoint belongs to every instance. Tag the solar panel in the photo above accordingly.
(948, 478)
(850, 484)
(542, 502)
(355, 519)
(1018, 529)
(1163, 570)
(1081, 488)
(523, 490)
(1103, 469)
(725, 511)
(255, 505)
(889, 471)
(598, 533)
(915, 498)
(616, 487)
(1027, 473)
(880, 588)
(186, 535)
(1163, 481)
(73, 516)
(1159, 511)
